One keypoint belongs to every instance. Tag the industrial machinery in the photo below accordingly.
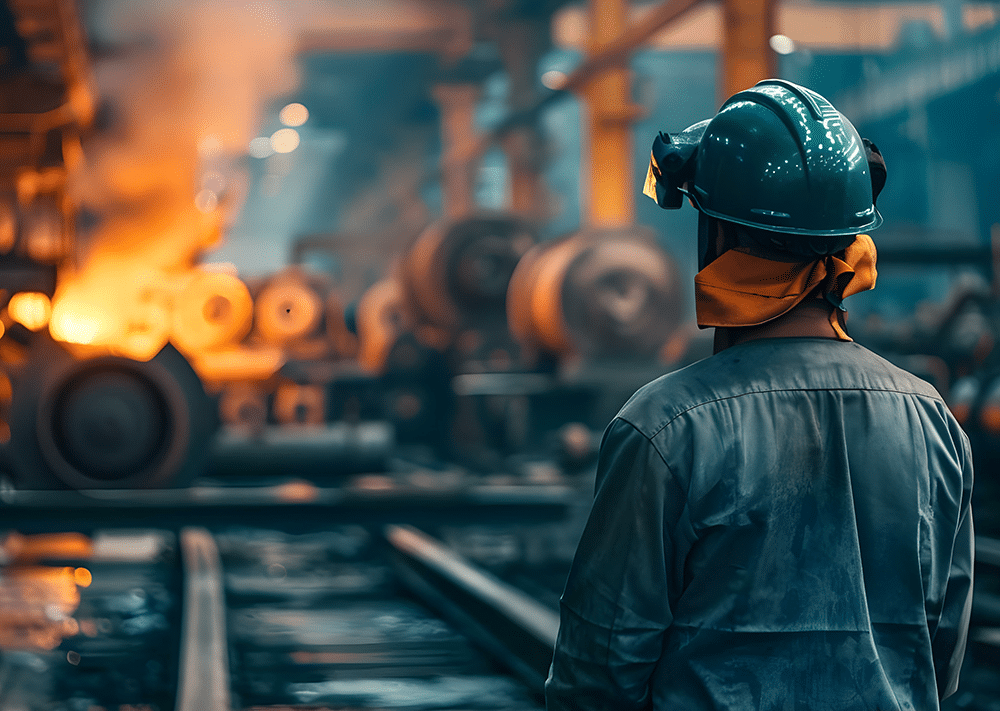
(596, 296)
(523, 338)
(83, 416)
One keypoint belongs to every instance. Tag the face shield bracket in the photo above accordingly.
(671, 165)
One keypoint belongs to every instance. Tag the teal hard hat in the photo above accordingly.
(777, 157)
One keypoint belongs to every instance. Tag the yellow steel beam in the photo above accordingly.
(818, 25)
(747, 57)
(608, 197)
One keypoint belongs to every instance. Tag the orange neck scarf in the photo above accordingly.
(740, 289)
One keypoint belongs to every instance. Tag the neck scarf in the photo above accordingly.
(740, 289)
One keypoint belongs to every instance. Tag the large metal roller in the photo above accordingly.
(288, 308)
(457, 272)
(108, 422)
(214, 310)
(595, 295)
(298, 310)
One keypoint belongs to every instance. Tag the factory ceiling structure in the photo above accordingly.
(393, 87)
(312, 315)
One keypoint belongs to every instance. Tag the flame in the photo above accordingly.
(165, 179)
(123, 307)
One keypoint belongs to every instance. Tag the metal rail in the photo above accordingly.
(203, 684)
(514, 627)
(291, 506)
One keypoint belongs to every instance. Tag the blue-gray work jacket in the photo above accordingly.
(785, 525)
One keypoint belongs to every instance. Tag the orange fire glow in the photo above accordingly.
(31, 309)
(83, 577)
(122, 307)
(165, 181)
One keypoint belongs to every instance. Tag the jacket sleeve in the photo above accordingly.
(952, 629)
(617, 603)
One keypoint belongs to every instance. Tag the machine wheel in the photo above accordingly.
(108, 422)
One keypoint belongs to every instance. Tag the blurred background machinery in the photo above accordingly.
(290, 259)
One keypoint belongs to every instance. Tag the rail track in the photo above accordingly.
(282, 611)
(354, 617)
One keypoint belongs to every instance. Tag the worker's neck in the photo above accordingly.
(810, 319)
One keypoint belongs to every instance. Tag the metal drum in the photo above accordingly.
(108, 422)
(213, 311)
(289, 311)
(595, 295)
(457, 272)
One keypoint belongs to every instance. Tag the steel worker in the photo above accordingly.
(785, 524)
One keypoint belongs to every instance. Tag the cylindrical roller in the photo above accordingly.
(212, 311)
(332, 450)
(595, 295)
(288, 308)
(109, 422)
(534, 301)
(457, 273)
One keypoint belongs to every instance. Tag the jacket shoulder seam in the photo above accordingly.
(736, 396)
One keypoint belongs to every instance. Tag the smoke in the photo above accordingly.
(186, 83)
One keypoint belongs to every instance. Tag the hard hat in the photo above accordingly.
(779, 158)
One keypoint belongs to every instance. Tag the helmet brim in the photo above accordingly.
(875, 223)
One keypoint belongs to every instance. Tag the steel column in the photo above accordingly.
(609, 190)
(458, 162)
(747, 57)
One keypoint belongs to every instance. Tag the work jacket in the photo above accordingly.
(785, 525)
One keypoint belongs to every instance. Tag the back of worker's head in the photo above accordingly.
(778, 170)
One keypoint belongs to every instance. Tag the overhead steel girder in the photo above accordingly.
(443, 27)
(920, 81)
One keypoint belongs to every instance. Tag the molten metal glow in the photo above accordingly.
(121, 307)
(238, 364)
(71, 325)
(31, 309)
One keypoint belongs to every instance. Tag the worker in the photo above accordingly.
(785, 524)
